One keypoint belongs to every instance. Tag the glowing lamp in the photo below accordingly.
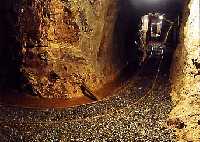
(161, 17)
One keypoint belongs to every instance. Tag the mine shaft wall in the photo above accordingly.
(52, 47)
(185, 74)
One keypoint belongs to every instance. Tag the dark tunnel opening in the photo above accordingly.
(10, 57)
(127, 29)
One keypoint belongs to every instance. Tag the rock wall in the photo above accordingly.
(67, 44)
(185, 76)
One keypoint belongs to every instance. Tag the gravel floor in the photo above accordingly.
(131, 114)
(120, 118)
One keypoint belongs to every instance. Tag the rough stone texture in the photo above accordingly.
(186, 76)
(66, 44)
(136, 112)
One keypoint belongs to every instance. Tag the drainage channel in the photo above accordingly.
(150, 68)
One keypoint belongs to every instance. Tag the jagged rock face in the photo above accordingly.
(66, 43)
(186, 75)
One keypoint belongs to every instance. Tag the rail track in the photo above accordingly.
(138, 110)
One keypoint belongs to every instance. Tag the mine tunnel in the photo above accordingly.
(21, 41)
(99, 70)
(128, 24)
(24, 53)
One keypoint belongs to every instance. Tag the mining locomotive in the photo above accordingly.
(154, 32)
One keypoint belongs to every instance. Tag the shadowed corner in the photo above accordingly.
(10, 50)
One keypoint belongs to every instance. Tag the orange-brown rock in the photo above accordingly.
(185, 75)
(66, 43)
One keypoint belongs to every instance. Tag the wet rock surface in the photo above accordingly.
(52, 47)
(61, 43)
(134, 113)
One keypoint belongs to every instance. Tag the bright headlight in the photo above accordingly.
(161, 17)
